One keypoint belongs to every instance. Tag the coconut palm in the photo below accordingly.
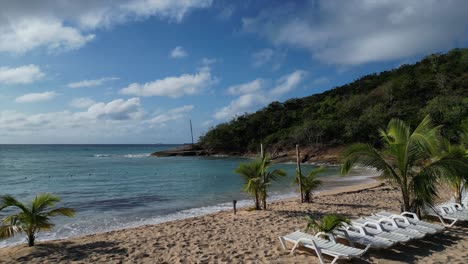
(327, 224)
(257, 178)
(456, 181)
(251, 173)
(268, 176)
(309, 182)
(408, 159)
(31, 218)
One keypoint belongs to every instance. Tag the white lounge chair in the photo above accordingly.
(413, 219)
(375, 229)
(443, 213)
(321, 246)
(392, 226)
(403, 222)
(357, 235)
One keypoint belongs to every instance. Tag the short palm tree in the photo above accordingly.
(309, 183)
(257, 178)
(327, 224)
(456, 181)
(409, 160)
(31, 218)
(268, 176)
(251, 173)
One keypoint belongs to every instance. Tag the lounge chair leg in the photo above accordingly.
(283, 244)
(294, 248)
(319, 254)
(447, 225)
(333, 262)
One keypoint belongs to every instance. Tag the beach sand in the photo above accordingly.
(248, 237)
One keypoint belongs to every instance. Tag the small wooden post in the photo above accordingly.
(298, 162)
(234, 202)
(261, 151)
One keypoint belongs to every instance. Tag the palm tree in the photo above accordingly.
(456, 181)
(31, 218)
(408, 159)
(257, 178)
(251, 173)
(309, 182)
(268, 176)
(327, 224)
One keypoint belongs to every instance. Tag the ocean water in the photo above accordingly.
(119, 186)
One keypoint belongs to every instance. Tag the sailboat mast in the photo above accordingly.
(191, 130)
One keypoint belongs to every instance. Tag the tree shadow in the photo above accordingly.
(413, 251)
(69, 251)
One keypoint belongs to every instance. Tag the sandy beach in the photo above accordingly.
(248, 237)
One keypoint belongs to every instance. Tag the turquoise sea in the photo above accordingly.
(119, 186)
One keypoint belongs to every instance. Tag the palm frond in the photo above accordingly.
(43, 201)
(65, 211)
(9, 231)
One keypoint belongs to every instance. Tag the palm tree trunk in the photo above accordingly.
(264, 202)
(257, 202)
(31, 239)
(307, 197)
(458, 195)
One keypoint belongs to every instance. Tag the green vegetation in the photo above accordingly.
(435, 86)
(257, 178)
(309, 182)
(457, 182)
(31, 218)
(327, 224)
(410, 160)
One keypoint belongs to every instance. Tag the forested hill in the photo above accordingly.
(437, 85)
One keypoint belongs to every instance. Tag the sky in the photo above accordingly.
(136, 71)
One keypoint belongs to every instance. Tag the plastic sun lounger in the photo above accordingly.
(403, 222)
(321, 246)
(376, 230)
(444, 213)
(392, 226)
(357, 235)
(413, 219)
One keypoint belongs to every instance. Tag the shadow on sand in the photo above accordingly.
(68, 251)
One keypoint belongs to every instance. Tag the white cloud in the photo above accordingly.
(119, 109)
(268, 57)
(356, 32)
(20, 75)
(249, 87)
(320, 80)
(243, 104)
(101, 122)
(286, 83)
(178, 52)
(174, 10)
(36, 97)
(254, 95)
(91, 83)
(28, 25)
(83, 102)
(174, 86)
(262, 57)
(208, 61)
(29, 33)
(170, 115)
(207, 123)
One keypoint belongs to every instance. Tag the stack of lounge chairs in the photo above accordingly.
(381, 230)
(450, 211)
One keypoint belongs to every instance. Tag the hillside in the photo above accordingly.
(436, 85)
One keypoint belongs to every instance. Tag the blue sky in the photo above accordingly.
(136, 71)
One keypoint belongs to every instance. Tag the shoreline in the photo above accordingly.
(248, 236)
(201, 211)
